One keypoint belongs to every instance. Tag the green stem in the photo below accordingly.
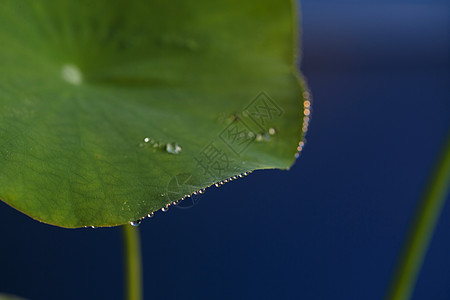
(421, 231)
(132, 262)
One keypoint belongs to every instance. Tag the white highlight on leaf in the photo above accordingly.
(72, 74)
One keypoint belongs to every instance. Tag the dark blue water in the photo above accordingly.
(332, 227)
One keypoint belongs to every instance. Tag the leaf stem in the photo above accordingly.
(132, 262)
(421, 231)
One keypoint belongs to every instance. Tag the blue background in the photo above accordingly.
(332, 227)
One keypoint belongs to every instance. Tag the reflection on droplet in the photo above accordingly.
(135, 223)
(173, 148)
(150, 215)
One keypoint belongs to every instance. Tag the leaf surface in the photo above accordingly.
(111, 109)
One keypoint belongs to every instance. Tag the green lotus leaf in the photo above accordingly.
(113, 109)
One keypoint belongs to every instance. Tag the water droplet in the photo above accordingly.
(307, 104)
(272, 131)
(146, 140)
(93, 227)
(217, 184)
(173, 148)
(72, 74)
(150, 215)
(135, 223)
(263, 137)
(165, 208)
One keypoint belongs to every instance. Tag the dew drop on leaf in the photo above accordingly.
(135, 223)
(173, 148)
(263, 137)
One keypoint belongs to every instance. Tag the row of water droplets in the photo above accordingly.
(306, 119)
(172, 148)
(200, 191)
(264, 136)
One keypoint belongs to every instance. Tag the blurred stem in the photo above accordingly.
(132, 262)
(421, 231)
